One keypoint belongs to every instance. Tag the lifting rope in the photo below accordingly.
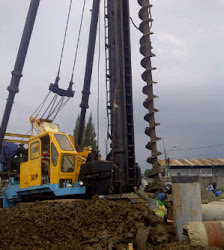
(77, 46)
(65, 34)
(56, 105)
(54, 86)
(41, 105)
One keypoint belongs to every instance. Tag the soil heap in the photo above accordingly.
(81, 224)
(85, 224)
(207, 196)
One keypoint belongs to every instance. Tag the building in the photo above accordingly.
(208, 170)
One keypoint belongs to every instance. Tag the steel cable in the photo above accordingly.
(55, 98)
(98, 90)
(61, 107)
(65, 34)
(48, 107)
(57, 106)
(134, 23)
(59, 67)
(210, 146)
(57, 110)
(79, 34)
(41, 105)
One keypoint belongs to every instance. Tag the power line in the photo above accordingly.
(196, 156)
(210, 146)
(133, 23)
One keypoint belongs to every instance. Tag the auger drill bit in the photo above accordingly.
(146, 51)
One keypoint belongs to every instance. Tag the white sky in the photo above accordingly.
(188, 43)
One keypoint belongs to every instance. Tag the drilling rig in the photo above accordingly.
(119, 173)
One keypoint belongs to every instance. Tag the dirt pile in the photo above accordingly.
(81, 224)
(183, 245)
(208, 196)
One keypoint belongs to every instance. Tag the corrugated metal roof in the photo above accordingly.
(194, 162)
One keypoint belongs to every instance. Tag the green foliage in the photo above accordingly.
(76, 133)
(89, 135)
(222, 189)
(146, 172)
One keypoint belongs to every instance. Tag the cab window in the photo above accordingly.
(63, 142)
(54, 154)
(34, 150)
(67, 163)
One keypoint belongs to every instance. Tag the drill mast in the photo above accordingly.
(119, 90)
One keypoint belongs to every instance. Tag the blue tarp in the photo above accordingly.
(8, 152)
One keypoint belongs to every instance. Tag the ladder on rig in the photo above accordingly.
(107, 69)
(119, 87)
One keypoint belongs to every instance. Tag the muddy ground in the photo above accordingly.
(84, 224)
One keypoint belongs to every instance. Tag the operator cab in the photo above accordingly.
(52, 159)
(52, 168)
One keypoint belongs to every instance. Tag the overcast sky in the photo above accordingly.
(188, 43)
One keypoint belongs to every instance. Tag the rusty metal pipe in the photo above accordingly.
(205, 234)
(213, 211)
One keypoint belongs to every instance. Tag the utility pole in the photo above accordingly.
(164, 149)
(166, 158)
(13, 88)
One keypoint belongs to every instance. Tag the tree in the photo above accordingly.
(76, 132)
(89, 134)
(147, 172)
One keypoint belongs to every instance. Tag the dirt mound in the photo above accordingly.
(81, 224)
(208, 196)
(183, 245)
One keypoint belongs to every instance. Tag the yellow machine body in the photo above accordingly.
(64, 160)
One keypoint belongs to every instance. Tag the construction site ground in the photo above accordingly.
(85, 224)
(207, 197)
